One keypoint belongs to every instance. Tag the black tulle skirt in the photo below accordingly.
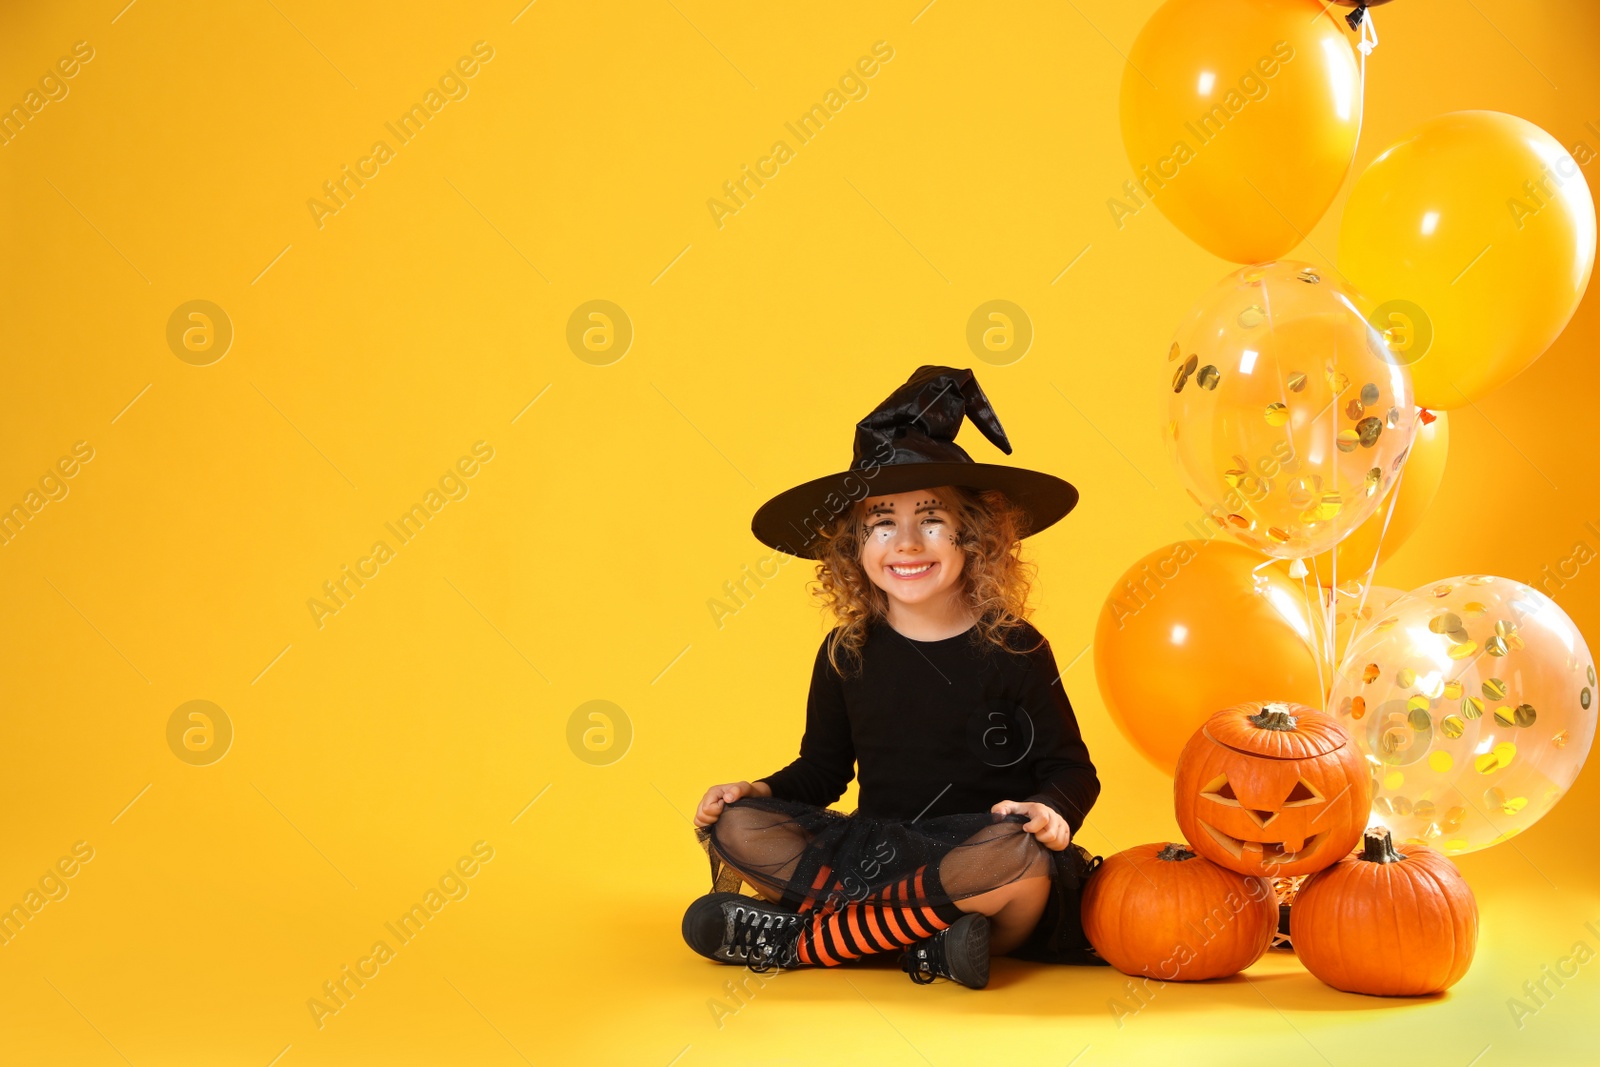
(811, 857)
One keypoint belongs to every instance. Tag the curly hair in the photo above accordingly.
(995, 579)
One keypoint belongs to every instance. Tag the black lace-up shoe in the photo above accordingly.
(959, 952)
(734, 928)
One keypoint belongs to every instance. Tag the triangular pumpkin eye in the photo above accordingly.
(1302, 793)
(1219, 789)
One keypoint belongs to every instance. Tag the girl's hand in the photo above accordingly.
(720, 796)
(1044, 822)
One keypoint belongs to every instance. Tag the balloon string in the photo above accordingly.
(1330, 619)
(1319, 646)
(1368, 41)
(1316, 639)
(1326, 651)
(1394, 495)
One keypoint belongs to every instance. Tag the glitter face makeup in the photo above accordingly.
(909, 549)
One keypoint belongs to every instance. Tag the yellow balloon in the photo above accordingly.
(1197, 626)
(1474, 238)
(1421, 476)
(1240, 119)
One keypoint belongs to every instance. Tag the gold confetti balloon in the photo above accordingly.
(1288, 416)
(1473, 701)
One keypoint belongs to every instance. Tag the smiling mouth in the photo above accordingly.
(914, 570)
(1262, 852)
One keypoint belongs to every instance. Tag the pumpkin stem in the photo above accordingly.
(1273, 717)
(1377, 848)
(1175, 854)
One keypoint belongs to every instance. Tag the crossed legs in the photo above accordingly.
(771, 852)
(1014, 908)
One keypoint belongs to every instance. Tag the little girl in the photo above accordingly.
(974, 776)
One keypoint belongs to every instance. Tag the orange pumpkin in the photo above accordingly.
(1391, 921)
(1160, 910)
(1272, 789)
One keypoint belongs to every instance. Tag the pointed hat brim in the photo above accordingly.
(792, 521)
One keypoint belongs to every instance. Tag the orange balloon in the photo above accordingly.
(1194, 627)
(1422, 475)
(1240, 119)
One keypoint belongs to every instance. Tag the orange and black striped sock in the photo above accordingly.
(886, 921)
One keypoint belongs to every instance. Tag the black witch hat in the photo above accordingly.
(906, 443)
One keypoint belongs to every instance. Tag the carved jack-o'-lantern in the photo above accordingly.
(1272, 789)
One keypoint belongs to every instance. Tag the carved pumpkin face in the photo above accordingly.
(1272, 789)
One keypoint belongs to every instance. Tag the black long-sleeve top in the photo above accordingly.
(940, 727)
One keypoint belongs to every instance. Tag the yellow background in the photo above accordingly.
(369, 354)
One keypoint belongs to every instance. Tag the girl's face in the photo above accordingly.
(908, 546)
